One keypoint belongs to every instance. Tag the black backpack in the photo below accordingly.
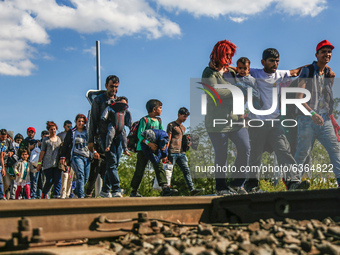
(186, 139)
(132, 138)
(185, 142)
(12, 160)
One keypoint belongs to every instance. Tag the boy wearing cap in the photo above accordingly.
(317, 79)
(29, 142)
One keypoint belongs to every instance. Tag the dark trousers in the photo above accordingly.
(53, 177)
(97, 167)
(220, 142)
(275, 136)
(142, 161)
(111, 179)
(2, 193)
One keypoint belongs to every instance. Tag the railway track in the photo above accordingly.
(27, 224)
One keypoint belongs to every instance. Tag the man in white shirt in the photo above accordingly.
(271, 132)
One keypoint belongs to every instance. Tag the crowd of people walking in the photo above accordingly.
(76, 156)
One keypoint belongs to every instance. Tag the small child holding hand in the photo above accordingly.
(22, 170)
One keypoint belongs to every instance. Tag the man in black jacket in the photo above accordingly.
(100, 127)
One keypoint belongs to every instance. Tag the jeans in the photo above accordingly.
(111, 178)
(220, 142)
(182, 161)
(292, 137)
(73, 187)
(308, 132)
(7, 184)
(1, 184)
(13, 190)
(53, 177)
(81, 167)
(275, 136)
(34, 184)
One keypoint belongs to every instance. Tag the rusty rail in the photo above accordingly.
(299, 205)
(52, 220)
(34, 223)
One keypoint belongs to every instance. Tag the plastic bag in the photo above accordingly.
(34, 158)
(168, 172)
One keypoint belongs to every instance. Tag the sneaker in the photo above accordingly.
(298, 185)
(88, 195)
(251, 184)
(224, 193)
(256, 190)
(195, 192)
(238, 190)
(117, 194)
(3, 198)
(135, 193)
(167, 192)
(104, 194)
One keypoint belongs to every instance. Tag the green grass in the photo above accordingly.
(316, 183)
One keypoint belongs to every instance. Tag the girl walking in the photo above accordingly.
(48, 160)
(75, 148)
(22, 170)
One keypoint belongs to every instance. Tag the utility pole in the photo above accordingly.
(98, 63)
(99, 183)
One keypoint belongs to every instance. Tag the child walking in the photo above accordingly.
(22, 170)
(151, 121)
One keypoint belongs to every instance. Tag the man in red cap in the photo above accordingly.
(317, 79)
(29, 142)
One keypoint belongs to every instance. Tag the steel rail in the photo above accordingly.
(29, 223)
(54, 220)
